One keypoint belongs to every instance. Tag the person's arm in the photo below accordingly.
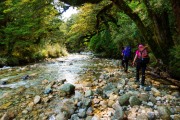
(134, 59)
(122, 53)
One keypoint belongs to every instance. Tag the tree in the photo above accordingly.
(28, 26)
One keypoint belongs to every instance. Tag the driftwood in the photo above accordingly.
(166, 77)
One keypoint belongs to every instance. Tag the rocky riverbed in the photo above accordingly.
(82, 87)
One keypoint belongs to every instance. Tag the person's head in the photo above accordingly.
(140, 47)
(123, 48)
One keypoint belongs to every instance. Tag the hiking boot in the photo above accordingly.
(141, 86)
(136, 81)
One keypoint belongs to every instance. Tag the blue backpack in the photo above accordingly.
(127, 52)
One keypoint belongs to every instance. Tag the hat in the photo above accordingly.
(140, 46)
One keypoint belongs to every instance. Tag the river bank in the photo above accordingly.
(82, 87)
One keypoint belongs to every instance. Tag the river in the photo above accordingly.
(19, 85)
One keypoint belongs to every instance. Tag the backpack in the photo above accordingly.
(146, 59)
(127, 52)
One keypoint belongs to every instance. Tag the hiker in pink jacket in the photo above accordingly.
(141, 58)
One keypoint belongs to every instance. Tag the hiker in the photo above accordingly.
(122, 63)
(126, 54)
(141, 58)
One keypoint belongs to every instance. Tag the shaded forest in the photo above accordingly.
(32, 30)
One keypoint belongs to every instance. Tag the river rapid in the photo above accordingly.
(23, 94)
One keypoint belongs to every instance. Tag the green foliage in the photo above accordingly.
(175, 62)
(27, 26)
(102, 43)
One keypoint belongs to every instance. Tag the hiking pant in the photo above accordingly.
(140, 66)
(125, 64)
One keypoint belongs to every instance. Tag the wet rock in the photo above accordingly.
(110, 88)
(104, 76)
(176, 94)
(88, 84)
(45, 82)
(96, 101)
(89, 111)
(144, 97)
(79, 104)
(121, 92)
(99, 91)
(46, 99)
(110, 103)
(142, 117)
(132, 112)
(86, 103)
(78, 95)
(9, 115)
(113, 97)
(150, 104)
(177, 110)
(155, 92)
(37, 99)
(48, 88)
(68, 108)
(120, 86)
(95, 117)
(25, 77)
(177, 117)
(152, 99)
(151, 115)
(123, 82)
(82, 113)
(88, 93)
(148, 88)
(74, 117)
(50, 118)
(119, 114)
(158, 98)
(124, 99)
(25, 111)
(103, 104)
(134, 101)
(164, 112)
(68, 88)
(61, 81)
(61, 116)
(4, 83)
(89, 117)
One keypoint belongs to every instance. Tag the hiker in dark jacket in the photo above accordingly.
(126, 53)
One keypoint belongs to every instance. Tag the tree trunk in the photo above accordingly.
(176, 10)
(161, 30)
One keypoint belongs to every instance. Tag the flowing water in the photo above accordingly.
(69, 68)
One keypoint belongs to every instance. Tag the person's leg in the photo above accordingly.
(143, 74)
(122, 63)
(137, 71)
(126, 65)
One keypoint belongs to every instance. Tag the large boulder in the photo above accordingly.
(134, 101)
(67, 88)
(119, 113)
(124, 99)
(164, 112)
